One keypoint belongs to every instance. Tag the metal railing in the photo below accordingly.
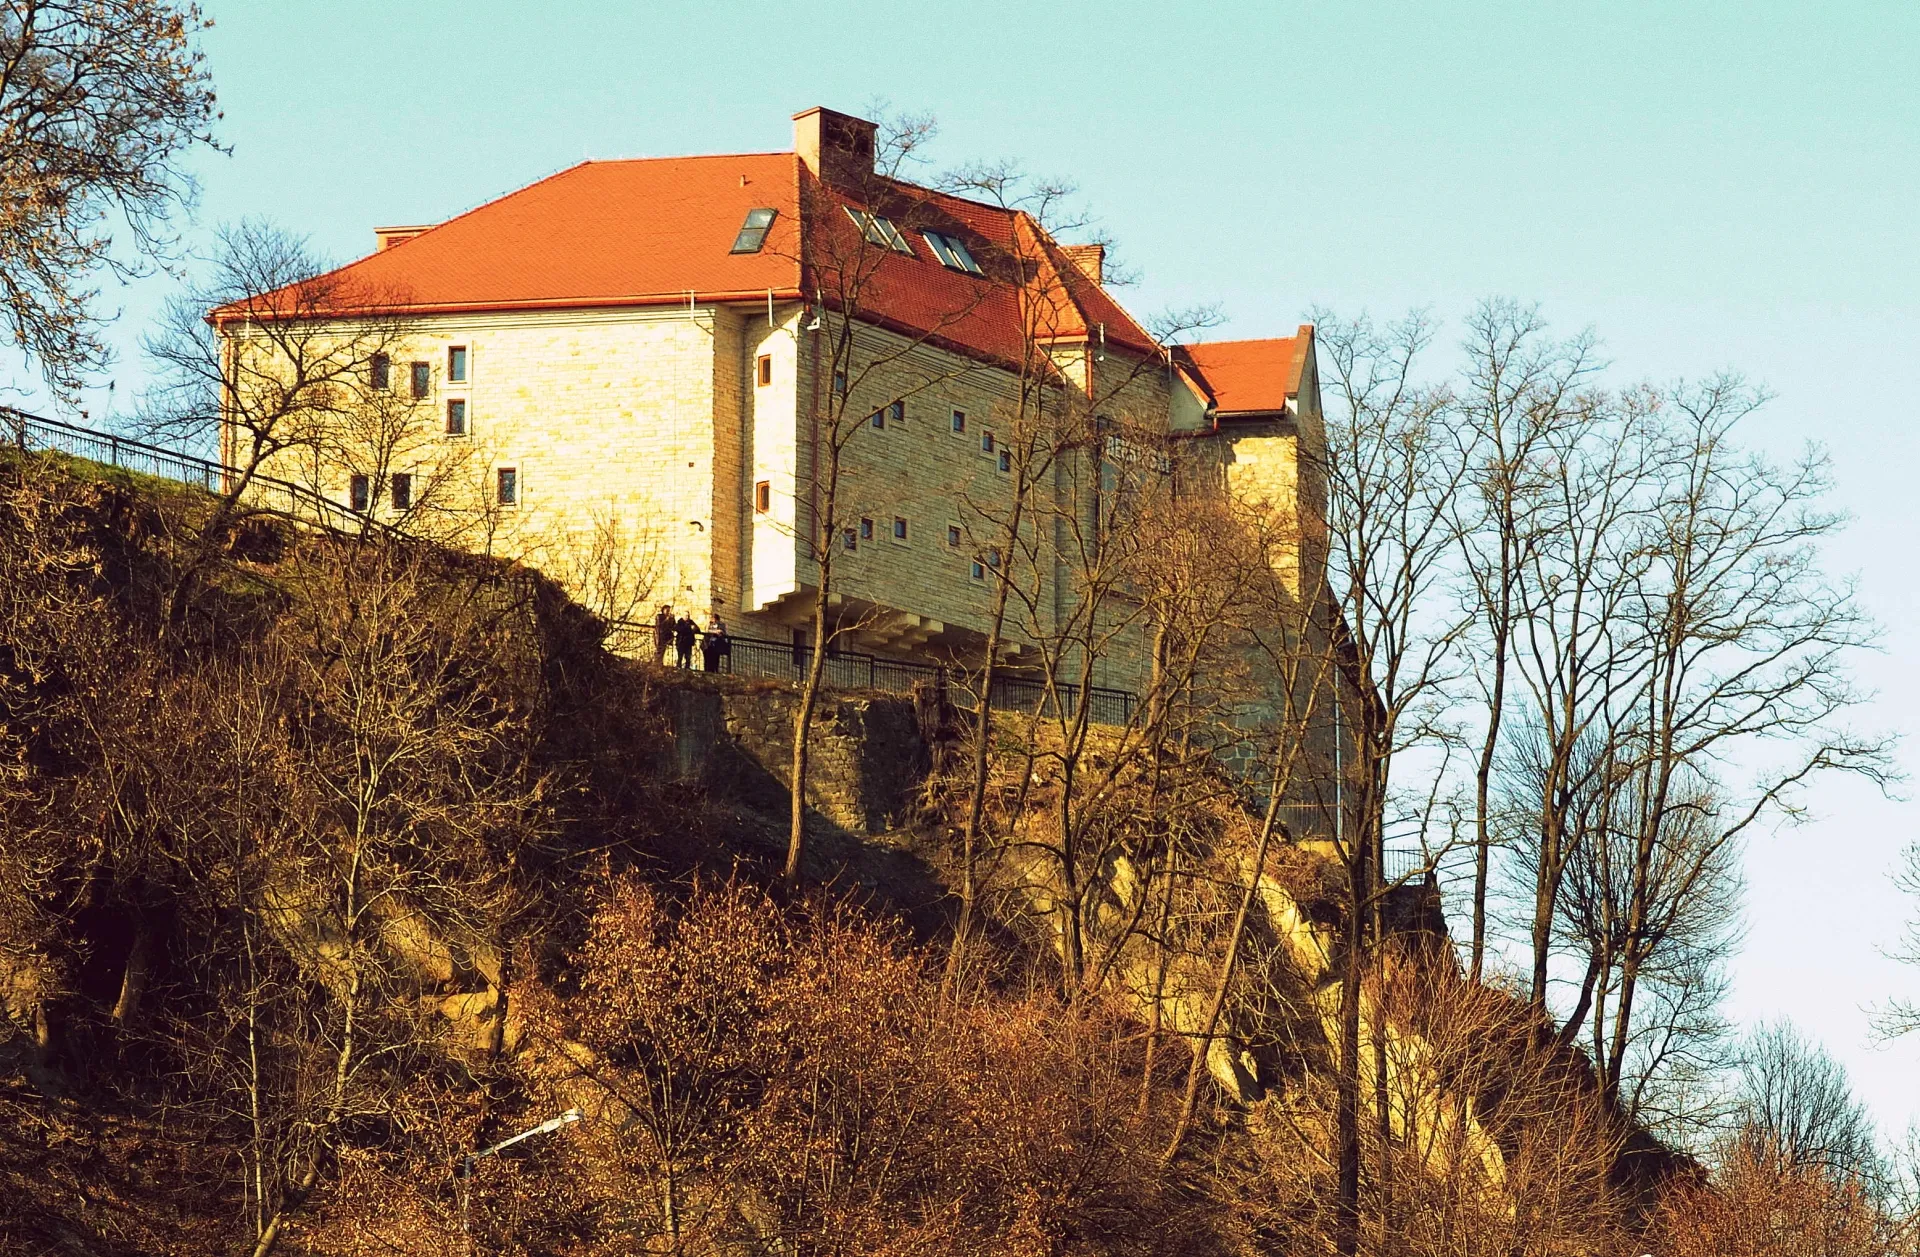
(743, 656)
(28, 432)
(854, 670)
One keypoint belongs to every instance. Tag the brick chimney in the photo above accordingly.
(1089, 259)
(836, 147)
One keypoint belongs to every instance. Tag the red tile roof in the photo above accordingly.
(1250, 376)
(650, 231)
(599, 234)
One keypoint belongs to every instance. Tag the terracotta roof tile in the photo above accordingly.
(649, 231)
(1250, 376)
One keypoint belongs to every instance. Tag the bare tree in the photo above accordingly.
(1393, 477)
(1515, 394)
(99, 102)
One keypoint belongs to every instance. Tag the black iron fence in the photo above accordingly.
(854, 670)
(262, 493)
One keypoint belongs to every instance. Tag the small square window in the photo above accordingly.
(953, 536)
(866, 530)
(763, 369)
(847, 541)
(897, 413)
(507, 486)
(359, 493)
(959, 421)
(899, 528)
(402, 491)
(763, 496)
(986, 442)
(422, 379)
(380, 372)
(878, 418)
(1006, 460)
(456, 416)
(978, 570)
(456, 364)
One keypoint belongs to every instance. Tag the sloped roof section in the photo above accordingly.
(603, 233)
(1249, 377)
(653, 231)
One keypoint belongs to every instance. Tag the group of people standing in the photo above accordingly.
(679, 632)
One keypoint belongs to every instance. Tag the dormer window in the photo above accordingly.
(952, 254)
(880, 231)
(753, 232)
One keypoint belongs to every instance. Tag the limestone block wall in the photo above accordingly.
(602, 415)
(868, 758)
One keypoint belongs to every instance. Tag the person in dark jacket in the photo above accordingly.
(662, 634)
(683, 633)
(716, 649)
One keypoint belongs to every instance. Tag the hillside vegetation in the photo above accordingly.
(325, 862)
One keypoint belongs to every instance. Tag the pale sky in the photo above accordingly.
(1706, 186)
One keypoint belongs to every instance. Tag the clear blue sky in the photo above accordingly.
(1705, 185)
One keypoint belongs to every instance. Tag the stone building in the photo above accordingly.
(661, 351)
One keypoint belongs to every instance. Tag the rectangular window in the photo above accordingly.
(878, 418)
(763, 369)
(456, 364)
(847, 541)
(359, 493)
(879, 230)
(986, 442)
(380, 372)
(1006, 460)
(507, 486)
(979, 570)
(763, 496)
(402, 491)
(456, 416)
(753, 231)
(899, 528)
(959, 421)
(839, 383)
(953, 536)
(897, 413)
(951, 252)
(422, 379)
(866, 530)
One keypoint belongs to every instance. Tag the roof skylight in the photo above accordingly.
(879, 230)
(753, 232)
(952, 254)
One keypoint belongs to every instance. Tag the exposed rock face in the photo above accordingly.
(736, 737)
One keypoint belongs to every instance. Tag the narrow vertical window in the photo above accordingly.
(846, 539)
(763, 496)
(457, 364)
(866, 529)
(878, 418)
(763, 369)
(380, 372)
(1006, 460)
(986, 442)
(457, 416)
(422, 379)
(402, 491)
(959, 421)
(839, 383)
(899, 528)
(953, 536)
(507, 486)
(897, 413)
(979, 570)
(359, 493)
